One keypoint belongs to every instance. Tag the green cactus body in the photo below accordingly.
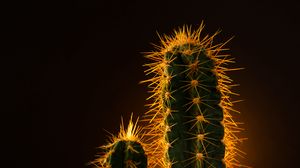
(127, 154)
(194, 131)
(189, 121)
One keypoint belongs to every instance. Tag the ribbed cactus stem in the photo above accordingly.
(190, 117)
(191, 104)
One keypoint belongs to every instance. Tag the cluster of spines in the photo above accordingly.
(182, 87)
(125, 150)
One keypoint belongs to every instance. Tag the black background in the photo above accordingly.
(78, 64)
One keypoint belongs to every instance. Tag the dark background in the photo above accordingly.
(78, 64)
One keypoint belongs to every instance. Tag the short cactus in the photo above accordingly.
(190, 115)
(124, 151)
(127, 154)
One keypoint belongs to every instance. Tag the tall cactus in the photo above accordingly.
(125, 150)
(190, 124)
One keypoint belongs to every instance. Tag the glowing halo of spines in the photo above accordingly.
(190, 121)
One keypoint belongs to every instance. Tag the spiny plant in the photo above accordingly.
(125, 150)
(190, 121)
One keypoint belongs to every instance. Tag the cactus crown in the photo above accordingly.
(125, 150)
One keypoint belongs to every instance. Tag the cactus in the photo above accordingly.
(125, 150)
(190, 121)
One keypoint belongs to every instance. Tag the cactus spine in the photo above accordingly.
(190, 118)
(125, 150)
